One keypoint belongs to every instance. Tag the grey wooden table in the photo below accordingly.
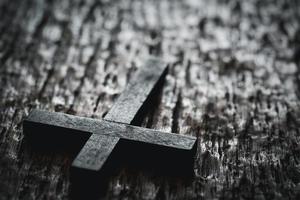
(234, 83)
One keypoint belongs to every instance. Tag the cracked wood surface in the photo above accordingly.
(233, 82)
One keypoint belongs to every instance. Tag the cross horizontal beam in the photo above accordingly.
(52, 122)
(107, 128)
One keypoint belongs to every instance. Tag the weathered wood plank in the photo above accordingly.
(233, 83)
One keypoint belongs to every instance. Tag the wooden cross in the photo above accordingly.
(58, 129)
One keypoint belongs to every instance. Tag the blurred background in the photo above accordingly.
(233, 82)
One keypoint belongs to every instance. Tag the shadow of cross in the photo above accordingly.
(115, 128)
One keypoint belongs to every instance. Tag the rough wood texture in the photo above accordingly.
(234, 82)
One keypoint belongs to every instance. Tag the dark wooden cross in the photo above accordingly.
(47, 128)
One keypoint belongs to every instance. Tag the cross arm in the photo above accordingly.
(132, 99)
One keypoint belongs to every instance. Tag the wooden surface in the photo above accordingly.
(234, 82)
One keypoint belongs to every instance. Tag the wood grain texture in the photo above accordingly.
(234, 82)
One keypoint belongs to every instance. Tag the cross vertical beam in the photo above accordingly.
(99, 147)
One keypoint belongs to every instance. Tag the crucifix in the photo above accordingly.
(116, 129)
